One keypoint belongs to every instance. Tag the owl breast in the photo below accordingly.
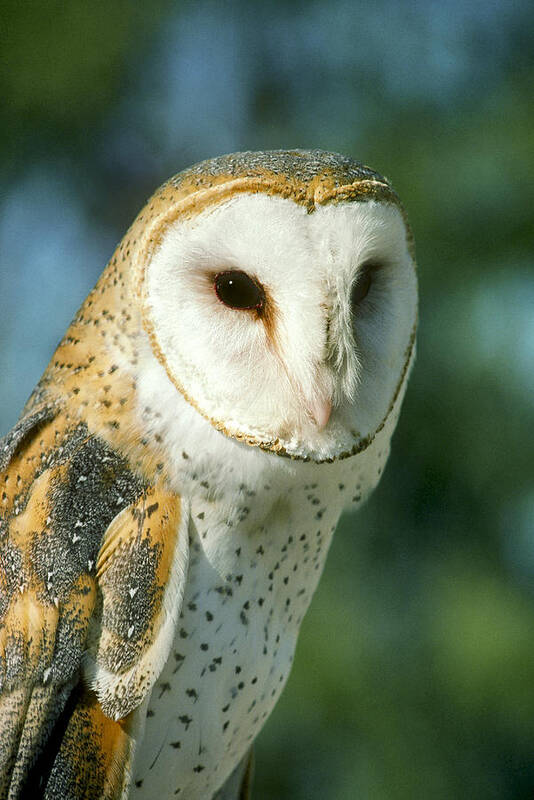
(248, 588)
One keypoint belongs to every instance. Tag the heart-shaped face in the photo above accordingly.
(288, 329)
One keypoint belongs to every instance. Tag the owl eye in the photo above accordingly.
(363, 283)
(238, 290)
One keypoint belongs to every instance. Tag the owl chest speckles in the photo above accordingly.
(248, 588)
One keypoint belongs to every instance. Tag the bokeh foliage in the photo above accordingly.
(414, 676)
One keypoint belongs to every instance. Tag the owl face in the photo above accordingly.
(287, 329)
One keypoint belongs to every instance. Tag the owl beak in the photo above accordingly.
(320, 410)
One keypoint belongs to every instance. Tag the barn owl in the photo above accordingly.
(229, 386)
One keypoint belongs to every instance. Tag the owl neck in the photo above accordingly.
(92, 376)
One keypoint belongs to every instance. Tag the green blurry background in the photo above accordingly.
(414, 676)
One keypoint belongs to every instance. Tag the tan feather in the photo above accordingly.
(141, 577)
(61, 483)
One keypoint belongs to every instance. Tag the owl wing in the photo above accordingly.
(239, 784)
(92, 570)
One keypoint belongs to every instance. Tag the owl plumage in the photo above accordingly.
(170, 491)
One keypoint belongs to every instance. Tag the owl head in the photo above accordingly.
(278, 290)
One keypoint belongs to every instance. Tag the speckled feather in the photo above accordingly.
(95, 541)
